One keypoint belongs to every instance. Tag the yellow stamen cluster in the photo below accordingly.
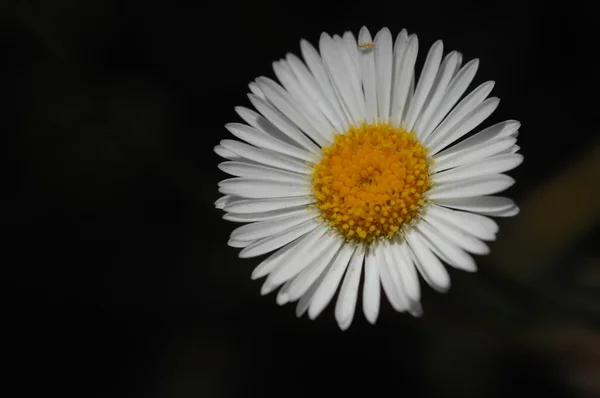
(371, 180)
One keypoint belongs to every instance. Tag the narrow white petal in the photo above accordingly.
(437, 92)
(409, 97)
(285, 125)
(346, 301)
(297, 260)
(261, 172)
(254, 217)
(458, 64)
(369, 82)
(307, 252)
(459, 112)
(253, 188)
(475, 154)
(263, 205)
(261, 123)
(384, 68)
(237, 243)
(222, 201)
(317, 67)
(471, 120)
(390, 277)
(330, 283)
(301, 100)
(493, 165)
(427, 263)
(482, 227)
(355, 80)
(458, 236)
(334, 60)
(307, 297)
(256, 90)
(513, 211)
(271, 243)
(309, 275)
(404, 75)
(289, 107)
(452, 254)
(267, 157)
(371, 288)
(226, 153)
(457, 87)
(315, 93)
(408, 273)
(282, 295)
(352, 48)
(483, 185)
(280, 256)
(480, 204)
(426, 79)
(273, 226)
(499, 130)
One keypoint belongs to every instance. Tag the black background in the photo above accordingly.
(118, 278)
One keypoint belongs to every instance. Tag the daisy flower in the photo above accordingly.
(354, 168)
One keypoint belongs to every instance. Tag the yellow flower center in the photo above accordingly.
(371, 180)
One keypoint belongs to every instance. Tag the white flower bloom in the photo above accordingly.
(348, 172)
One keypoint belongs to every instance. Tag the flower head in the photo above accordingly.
(351, 170)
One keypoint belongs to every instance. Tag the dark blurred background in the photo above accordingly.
(118, 280)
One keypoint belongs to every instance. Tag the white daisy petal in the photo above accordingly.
(244, 206)
(297, 260)
(254, 217)
(284, 125)
(471, 120)
(289, 107)
(371, 288)
(253, 188)
(222, 201)
(482, 227)
(513, 211)
(238, 244)
(452, 254)
(369, 83)
(404, 75)
(458, 236)
(282, 296)
(307, 297)
(437, 92)
(408, 273)
(483, 185)
(493, 165)
(261, 172)
(479, 204)
(499, 130)
(256, 90)
(271, 243)
(458, 64)
(317, 67)
(273, 226)
(302, 101)
(429, 266)
(384, 68)
(461, 110)
(352, 49)
(334, 60)
(259, 122)
(281, 256)
(330, 283)
(266, 157)
(432, 64)
(307, 252)
(346, 301)
(309, 275)
(315, 93)
(456, 89)
(475, 154)
(390, 273)
(349, 50)
(226, 153)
